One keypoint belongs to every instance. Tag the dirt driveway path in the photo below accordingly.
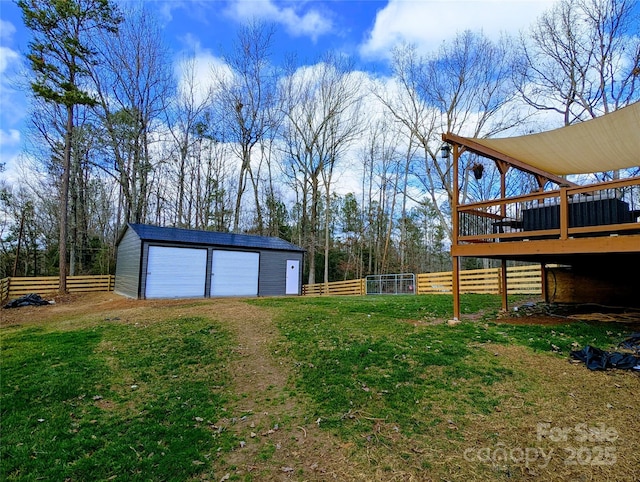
(278, 440)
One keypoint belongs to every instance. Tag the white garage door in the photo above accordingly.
(234, 273)
(176, 272)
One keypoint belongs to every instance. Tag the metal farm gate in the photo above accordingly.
(391, 284)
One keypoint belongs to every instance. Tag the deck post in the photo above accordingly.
(455, 282)
(564, 214)
(455, 287)
(543, 281)
(503, 284)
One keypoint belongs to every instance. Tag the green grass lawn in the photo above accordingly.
(113, 400)
(102, 398)
(372, 355)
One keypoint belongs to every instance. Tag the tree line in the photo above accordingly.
(341, 162)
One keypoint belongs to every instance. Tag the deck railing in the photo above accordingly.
(596, 210)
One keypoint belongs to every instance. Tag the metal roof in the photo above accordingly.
(148, 232)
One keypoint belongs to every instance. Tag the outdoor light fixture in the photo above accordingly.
(444, 151)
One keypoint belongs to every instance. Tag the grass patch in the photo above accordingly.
(327, 388)
(368, 361)
(127, 400)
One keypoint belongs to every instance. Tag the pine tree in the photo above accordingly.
(60, 55)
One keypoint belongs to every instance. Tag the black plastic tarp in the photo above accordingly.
(27, 300)
(597, 359)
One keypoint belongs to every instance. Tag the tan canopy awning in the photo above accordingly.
(607, 143)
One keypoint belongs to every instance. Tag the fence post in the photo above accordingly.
(5, 285)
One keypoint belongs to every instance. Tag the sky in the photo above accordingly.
(365, 30)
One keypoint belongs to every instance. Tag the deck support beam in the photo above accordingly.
(455, 287)
(503, 285)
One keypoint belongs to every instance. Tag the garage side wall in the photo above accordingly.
(273, 267)
(128, 265)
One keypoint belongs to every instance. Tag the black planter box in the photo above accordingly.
(595, 212)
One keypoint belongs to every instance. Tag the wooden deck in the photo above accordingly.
(554, 226)
(591, 233)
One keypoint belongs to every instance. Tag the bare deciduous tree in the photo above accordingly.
(133, 81)
(321, 107)
(245, 98)
(582, 58)
(187, 121)
(464, 88)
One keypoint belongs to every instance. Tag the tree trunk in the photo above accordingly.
(64, 202)
(312, 232)
(256, 195)
(327, 220)
(241, 187)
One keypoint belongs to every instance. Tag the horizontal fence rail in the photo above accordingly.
(15, 287)
(350, 287)
(521, 280)
(526, 280)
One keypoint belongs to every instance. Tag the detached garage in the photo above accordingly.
(156, 262)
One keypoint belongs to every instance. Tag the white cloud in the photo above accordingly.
(311, 23)
(197, 72)
(7, 57)
(428, 23)
(12, 162)
(7, 30)
(9, 138)
(164, 10)
(11, 100)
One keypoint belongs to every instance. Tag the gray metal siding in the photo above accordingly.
(133, 255)
(128, 265)
(273, 268)
(144, 259)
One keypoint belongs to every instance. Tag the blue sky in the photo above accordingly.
(366, 30)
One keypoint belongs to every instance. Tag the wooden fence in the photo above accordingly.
(349, 287)
(15, 287)
(525, 280)
(520, 280)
